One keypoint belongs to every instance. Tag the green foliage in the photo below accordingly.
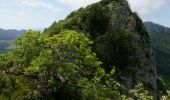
(63, 65)
(120, 47)
(103, 87)
(16, 88)
(65, 49)
(61, 59)
(5, 61)
(166, 97)
(138, 93)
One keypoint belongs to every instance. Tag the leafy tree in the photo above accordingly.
(62, 66)
(60, 60)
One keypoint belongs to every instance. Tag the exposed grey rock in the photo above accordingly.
(146, 72)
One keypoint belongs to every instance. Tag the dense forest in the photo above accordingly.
(101, 52)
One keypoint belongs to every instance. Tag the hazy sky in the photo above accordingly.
(25, 14)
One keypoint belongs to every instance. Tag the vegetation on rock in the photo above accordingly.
(96, 53)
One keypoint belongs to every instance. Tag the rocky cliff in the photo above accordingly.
(120, 40)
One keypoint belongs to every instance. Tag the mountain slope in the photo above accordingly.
(10, 34)
(156, 28)
(160, 37)
(6, 38)
(120, 40)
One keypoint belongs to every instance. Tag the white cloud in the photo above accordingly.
(146, 6)
(39, 4)
(75, 4)
(141, 6)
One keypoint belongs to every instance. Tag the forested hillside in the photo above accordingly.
(100, 52)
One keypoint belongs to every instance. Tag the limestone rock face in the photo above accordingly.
(104, 21)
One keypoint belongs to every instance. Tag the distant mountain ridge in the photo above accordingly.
(10, 34)
(156, 28)
(6, 38)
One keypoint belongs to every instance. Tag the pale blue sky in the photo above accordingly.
(26, 14)
(160, 16)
